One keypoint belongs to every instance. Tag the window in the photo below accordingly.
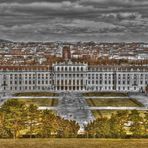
(100, 81)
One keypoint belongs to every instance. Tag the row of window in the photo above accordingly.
(69, 75)
(69, 82)
(30, 88)
(30, 82)
(70, 68)
(112, 88)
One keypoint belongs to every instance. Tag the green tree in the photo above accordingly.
(33, 120)
(146, 89)
(98, 128)
(47, 127)
(67, 128)
(146, 123)
(102, 128)
(137, 124)
(2, 125)
(13, 111)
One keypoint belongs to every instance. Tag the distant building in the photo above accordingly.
(68, 76)
(66, 53)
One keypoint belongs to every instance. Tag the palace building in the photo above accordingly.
(69, 76)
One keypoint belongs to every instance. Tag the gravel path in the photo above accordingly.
(73, 106)
(141, 98)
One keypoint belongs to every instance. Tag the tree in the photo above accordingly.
(146, 123)
(13, 111)
(122, 120)
(67, 128)
(115, 127)
(47, 126)
(2, 125)
(146, 89)
(33, 118)
(137, 124)
(98, 128)
(103, 128)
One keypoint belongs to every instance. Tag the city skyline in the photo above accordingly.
(74, 20)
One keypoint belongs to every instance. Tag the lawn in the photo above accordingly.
(41, 101)
(115, 102)
(36, 94)
(108, 113)
(74, 143)
(105, 94)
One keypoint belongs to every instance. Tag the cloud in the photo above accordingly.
(74, 19)
(122, 16)
(46, 6)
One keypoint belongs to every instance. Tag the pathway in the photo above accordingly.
(73, 106)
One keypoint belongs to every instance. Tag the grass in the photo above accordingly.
(108, 113)
(115, 102)
(36, 94)
(41, 102)
(105, 94)
(74, 143)
(103, 113)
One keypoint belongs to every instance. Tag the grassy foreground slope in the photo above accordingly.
(74, 143)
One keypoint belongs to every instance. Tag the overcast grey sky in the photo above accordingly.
(74, 20)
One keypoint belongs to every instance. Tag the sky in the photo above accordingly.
(74, 20)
